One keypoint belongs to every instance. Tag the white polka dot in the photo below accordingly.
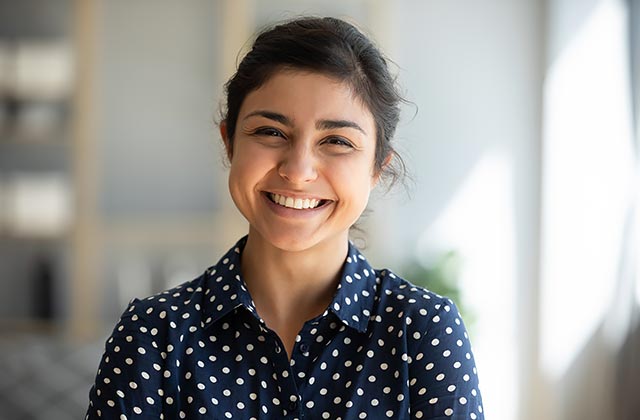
(402, 315)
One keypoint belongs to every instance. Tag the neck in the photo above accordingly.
(291, 287)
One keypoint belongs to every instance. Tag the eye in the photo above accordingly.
(269, 132)
(339, 141)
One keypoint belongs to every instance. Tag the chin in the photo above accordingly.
(294, 240)
(292, 243)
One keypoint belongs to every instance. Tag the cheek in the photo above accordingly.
(353, 181)
(247, 168)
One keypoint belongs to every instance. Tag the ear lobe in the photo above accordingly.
(225, 138)
(376, 177)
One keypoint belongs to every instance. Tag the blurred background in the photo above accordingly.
(522, 142)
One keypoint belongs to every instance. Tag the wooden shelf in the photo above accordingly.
(61, 140)
(28, 325)
(9, 236)
(200, 229)
(36, 144)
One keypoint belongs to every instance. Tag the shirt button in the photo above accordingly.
(278, 350)
(304, 348)
(293, 405)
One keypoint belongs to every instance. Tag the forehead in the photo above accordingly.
(306, 96)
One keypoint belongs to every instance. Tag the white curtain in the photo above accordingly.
(628, 369)
(589, 210)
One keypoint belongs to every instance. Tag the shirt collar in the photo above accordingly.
(225, 289)
(354, 299)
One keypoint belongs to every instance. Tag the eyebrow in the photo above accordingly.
(282, 119)
(332, 124)
(320, 125)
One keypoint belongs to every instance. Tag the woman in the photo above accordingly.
(293, 322)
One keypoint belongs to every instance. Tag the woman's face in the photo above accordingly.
(302, 164)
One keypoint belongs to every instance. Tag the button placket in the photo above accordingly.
(293, 403)
(287, 386)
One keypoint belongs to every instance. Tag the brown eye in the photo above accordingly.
(269, 131)
(339, 141)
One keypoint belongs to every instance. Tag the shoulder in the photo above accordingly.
(386, 295)
(180, 311)
(422, 315)
(399, 294)
(165, 310)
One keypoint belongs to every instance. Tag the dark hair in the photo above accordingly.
(333, 47)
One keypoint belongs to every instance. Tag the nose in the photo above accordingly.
(298, 165)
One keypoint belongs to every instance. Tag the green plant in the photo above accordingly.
(441, 277)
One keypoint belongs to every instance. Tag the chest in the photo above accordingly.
(242, 370)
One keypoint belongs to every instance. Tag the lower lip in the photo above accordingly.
(293, 213)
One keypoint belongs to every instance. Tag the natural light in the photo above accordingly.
(587, 174)
(479, 224)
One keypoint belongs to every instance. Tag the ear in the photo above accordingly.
(225, 138)
(376, 176)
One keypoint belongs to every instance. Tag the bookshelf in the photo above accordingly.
(36, 199)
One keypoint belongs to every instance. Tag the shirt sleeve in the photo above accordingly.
(129, 379)
(444, 376)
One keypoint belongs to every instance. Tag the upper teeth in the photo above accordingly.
(295, 203)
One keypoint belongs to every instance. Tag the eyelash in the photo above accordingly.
(339, 141)
(333, 140)
(269, 131)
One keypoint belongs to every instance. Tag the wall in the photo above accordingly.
(160, 181)
(588, 263)
(474, 71)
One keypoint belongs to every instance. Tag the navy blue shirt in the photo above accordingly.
(384, 348)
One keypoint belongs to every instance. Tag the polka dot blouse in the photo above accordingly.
(382, 349)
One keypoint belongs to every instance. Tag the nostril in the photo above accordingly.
(298, 169)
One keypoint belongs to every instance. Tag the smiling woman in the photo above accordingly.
(302, 136)
(293, 322)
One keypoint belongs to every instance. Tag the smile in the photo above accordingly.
(295, 203)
